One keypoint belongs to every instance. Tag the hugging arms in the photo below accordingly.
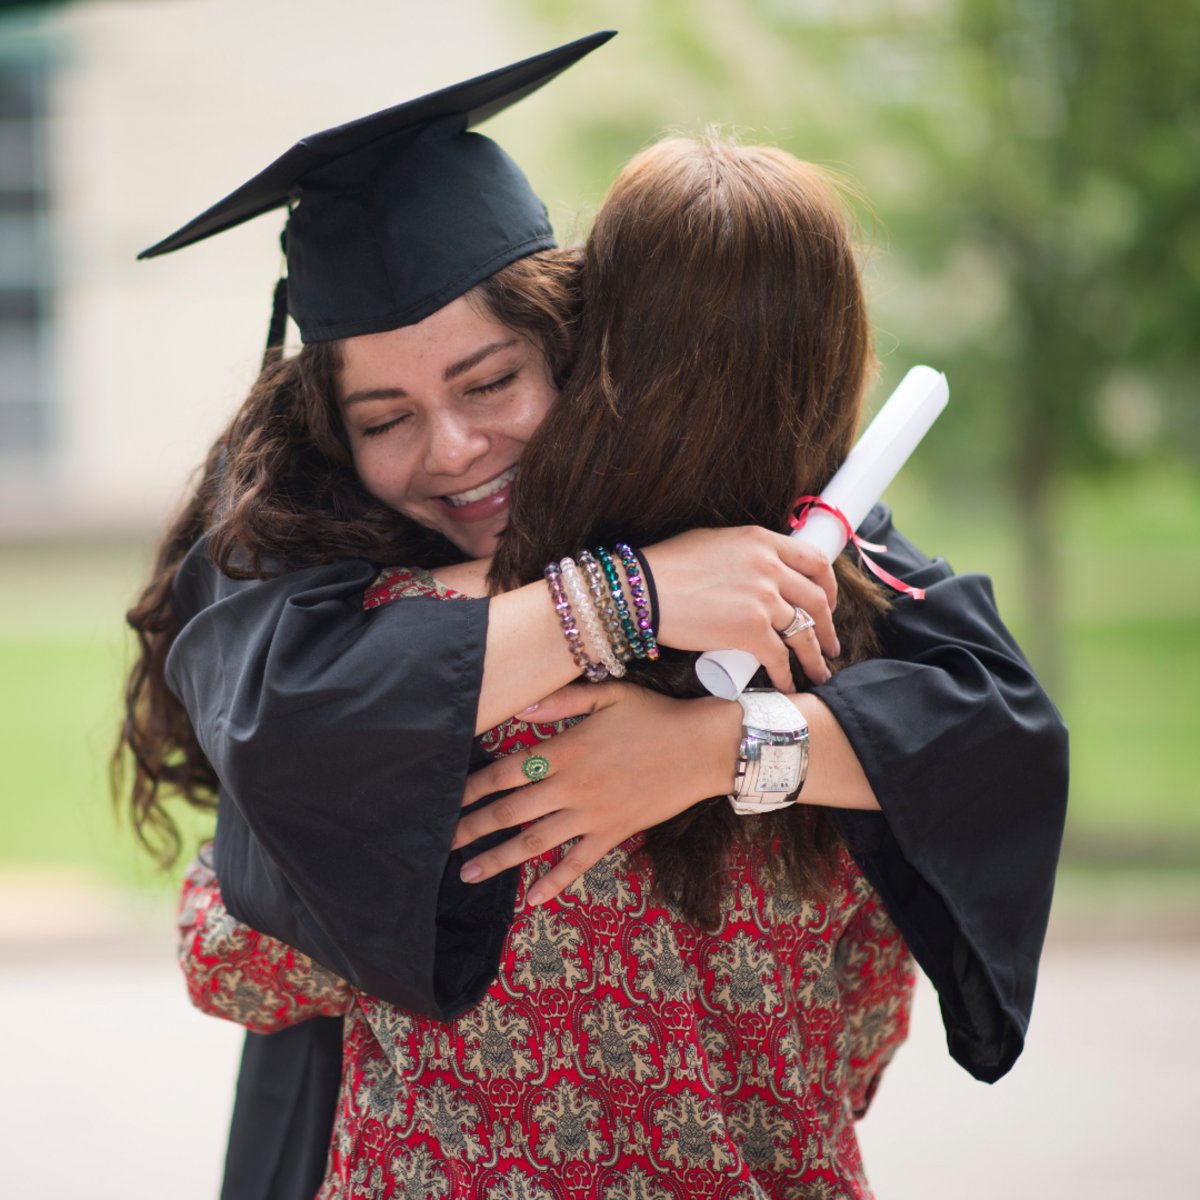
(344, 741)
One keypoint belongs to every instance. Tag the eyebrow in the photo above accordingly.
(374, 394)
(453, 371)
(473, 360)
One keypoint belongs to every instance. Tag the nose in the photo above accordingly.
(454, 444)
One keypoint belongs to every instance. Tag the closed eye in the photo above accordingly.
(497, 385)
(376, 430)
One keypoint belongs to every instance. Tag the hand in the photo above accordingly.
(734, 589)
(637, 760)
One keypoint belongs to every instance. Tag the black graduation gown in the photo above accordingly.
(968, 759)
(342, 739)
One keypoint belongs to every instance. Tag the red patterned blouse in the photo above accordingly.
(620, 1053)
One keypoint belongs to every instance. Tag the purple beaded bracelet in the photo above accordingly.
(641, 606)
(594, 672)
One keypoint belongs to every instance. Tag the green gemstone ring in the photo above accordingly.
(536, 766)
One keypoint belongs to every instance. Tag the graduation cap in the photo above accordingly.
(398, 213)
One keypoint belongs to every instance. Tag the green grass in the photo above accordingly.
(1131, 706)
(1130, 642)
(63, 655)
(1130, 671)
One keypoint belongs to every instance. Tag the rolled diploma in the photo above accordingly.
(874, 462)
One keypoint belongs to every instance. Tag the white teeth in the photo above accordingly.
(484, 489)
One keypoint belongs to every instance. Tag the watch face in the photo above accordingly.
(778, 765)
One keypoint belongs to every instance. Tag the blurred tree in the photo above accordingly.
(7, 6)
(1086, 198)
(1037, 164)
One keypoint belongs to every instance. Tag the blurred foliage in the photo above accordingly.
(1035, 165)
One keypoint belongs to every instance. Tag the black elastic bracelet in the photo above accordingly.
(651, 590)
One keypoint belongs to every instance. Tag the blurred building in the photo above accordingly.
(119, 122)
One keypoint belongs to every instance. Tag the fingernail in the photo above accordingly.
(837, 648)
(470, 873)
(536, 896)
(531, 708)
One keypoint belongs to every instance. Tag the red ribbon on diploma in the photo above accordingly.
(799, 515)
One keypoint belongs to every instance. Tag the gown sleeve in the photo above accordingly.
(342, 740)
(968, 758)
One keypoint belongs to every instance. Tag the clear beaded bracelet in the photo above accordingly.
(589, 619)
(594, 672)
(605, 607)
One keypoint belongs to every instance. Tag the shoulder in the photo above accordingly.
(405, 583)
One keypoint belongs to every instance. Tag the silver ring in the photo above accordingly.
(800, 622)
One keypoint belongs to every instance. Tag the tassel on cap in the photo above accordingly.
(278, 327)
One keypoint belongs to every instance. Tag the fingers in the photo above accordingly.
(823, 632)
(498, 776)
(580, 857)
(574, 700)
(813, 564)
(530, 843)
(810, 600)
(533, 842)
(811, 586)
(513, 774)
(774, 657)
(806, 646)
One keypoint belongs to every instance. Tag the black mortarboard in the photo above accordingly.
(398, 213)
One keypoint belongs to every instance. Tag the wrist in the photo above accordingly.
(720, 735)
(773, 755)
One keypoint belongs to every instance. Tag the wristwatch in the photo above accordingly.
(772, 755)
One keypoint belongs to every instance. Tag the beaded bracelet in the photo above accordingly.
(589, 619)
(633, 573)
(651, 590)
(593, 671)
(604, 605)
(618, 596)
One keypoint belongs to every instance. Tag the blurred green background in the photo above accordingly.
(1031, 226)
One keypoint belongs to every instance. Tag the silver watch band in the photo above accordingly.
(773, 754)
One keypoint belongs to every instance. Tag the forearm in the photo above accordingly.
(526, 655)
(835, 778)
(715, 587)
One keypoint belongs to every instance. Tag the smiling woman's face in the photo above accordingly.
(438, 413)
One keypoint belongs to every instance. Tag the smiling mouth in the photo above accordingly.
(461, 499)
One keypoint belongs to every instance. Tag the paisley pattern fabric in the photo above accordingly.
(621, 1053)
(234, 972)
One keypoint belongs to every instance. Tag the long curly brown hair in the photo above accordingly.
(724, 351)
(279, 491)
